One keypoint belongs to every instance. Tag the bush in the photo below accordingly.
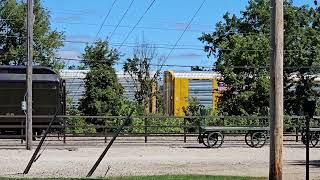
(162, 125)
(78, 125)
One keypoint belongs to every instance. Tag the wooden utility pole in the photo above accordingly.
(29, 74)
(276, 103)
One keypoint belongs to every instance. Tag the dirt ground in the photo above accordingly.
(154, 158)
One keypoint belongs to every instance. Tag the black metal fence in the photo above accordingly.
(66, 127)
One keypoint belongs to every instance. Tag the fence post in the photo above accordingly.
(64, 132)
(145, 130)
(296, 129)
(184, 130)
(105, 132)
(64, 138)
(22, 132)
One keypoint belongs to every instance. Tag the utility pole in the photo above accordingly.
(276, 106)
(29, 74)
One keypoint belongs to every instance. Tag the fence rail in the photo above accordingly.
(151, 116)
(142, 126)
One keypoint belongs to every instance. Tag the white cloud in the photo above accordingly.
(80, 38)
(187, 55)
(70, 54)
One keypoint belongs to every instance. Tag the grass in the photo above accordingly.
(183, 177)
(168, 177)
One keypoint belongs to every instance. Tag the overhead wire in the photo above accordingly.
(214, 68)
(178, 40)
(105, 18)
(133, 28)
(155, 20)
(124, 26)
(124, 14)
(149, 7)
(138, 27)
(180, 37)
(200, 66)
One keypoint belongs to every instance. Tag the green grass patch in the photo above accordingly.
(186, 177)
(167, 177)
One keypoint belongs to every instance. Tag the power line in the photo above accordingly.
(178, 40)
(134, 44)
(114, 30)
(105, 19)
(158, 47)
(146, 11)
(154, 19)
(212, 67)
(188, 47)
(167, 65)
(235, 33)
(176, 46)
(138, 27)
(124, 26)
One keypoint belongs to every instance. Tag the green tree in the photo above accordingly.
(13, 35)
(144, 78)
(244, 41)
(76, 125)
(103, 92)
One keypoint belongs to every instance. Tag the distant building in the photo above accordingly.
(75, 84)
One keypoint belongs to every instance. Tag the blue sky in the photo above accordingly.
(80, 20)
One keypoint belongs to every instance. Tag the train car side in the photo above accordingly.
(180, 87)
(48, 94)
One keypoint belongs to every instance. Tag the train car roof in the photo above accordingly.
(22, 69)
(18, 74)
(196, 74)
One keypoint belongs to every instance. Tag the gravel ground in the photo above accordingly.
(155, 158)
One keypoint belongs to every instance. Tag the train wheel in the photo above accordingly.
(248, 138)
(258, 139)
(215, 140)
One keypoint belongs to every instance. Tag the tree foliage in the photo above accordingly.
(103, 92)
(241, 47)
(144, 79)
(76, 125)
(13, 35)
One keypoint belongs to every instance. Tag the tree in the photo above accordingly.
(13, 35)
(103, 92)
(77, 67)
(241, 47)
(199, 68)
(144, 79)
(76, 125)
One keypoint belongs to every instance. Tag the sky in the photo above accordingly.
(162, 25)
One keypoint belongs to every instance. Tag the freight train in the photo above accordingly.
(48, 94)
